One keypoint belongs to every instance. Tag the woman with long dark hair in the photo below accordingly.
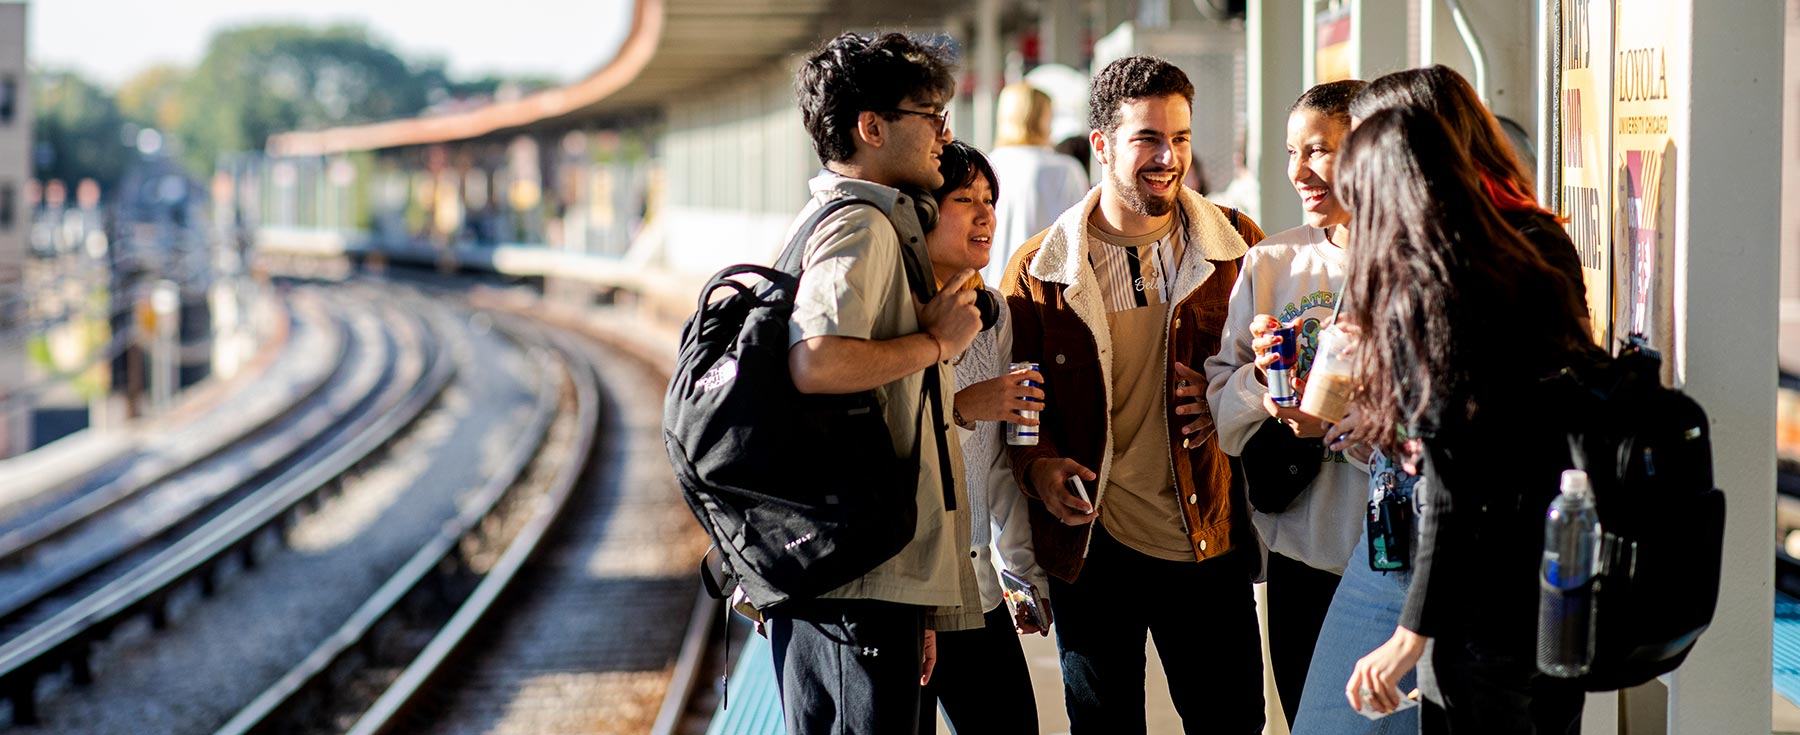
(1461, 326)
(1503, 176)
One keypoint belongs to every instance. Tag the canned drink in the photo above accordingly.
(1281, 372)
(1023, 436)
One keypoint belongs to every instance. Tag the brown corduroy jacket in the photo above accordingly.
(1059, 321)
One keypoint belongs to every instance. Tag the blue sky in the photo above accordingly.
(107, 41)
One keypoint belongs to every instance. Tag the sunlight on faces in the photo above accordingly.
(910, 144)
(964, 236)
(1312, 145)
(1147, 155)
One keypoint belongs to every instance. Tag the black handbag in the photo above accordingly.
(1277, 466)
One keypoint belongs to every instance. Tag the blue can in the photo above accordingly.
(1023, 436)
(1281, 372)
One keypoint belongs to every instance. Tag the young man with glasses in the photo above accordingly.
(852, 660)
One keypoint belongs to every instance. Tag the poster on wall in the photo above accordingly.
(1332, 47)
(1645, 129)
(1583, 114)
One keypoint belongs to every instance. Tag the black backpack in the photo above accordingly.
(1648, 454)
(801, 493)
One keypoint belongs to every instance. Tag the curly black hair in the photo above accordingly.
(854, 73)
(1132, 78)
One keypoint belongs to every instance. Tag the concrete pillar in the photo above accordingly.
(1379, 29)
(1275, 76)
(987, 70)
(1061, 26)
(1728, 204)
(15, 223)
(1790, 190)
(1507, 38)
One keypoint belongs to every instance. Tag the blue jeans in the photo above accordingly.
(1362, 616)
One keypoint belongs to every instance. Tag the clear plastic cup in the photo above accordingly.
(1328, 385)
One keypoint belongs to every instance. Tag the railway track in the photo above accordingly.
(558, 596)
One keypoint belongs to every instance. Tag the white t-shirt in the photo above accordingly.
(1295, 275)
(1036, 185)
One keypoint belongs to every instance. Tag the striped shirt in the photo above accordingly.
(1135, 272)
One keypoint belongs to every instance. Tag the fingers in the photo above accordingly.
(1262, 324)
(957, 281)
(930, 658)
(1342, 432)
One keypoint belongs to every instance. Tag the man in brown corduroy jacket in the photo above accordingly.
(1121, 301)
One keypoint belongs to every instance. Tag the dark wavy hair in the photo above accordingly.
(1446, 298)
(1330, 98)
(852, 74)
(1133, 78)
(960, 163)
(1440, 89)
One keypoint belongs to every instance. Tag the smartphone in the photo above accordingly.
(1407, 702)
(1024, 601)
(1078, 489)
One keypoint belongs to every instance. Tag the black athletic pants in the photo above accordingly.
(848, 666)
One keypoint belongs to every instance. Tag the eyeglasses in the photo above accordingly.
(942, 118)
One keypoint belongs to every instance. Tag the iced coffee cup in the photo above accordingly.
(1328, 385)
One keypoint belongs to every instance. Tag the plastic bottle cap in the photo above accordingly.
(1576, 482)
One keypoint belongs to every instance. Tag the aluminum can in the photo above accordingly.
(1281, 372)
(1023, 436)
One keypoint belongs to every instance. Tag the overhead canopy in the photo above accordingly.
(674, 46)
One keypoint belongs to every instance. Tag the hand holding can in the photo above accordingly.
(1017, 435)
(1281, 371)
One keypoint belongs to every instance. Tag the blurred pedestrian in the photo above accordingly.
(1042, 183)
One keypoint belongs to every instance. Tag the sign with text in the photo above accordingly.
(1647, 122)
(1583, 113)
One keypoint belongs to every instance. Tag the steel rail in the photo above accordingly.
(66, 639)
(390, 711)
(381, 395)
(60, 521)
(279, 707)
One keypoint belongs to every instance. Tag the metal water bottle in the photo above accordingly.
(1565, 644)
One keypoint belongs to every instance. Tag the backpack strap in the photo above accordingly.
(793, 261)
(793, 257)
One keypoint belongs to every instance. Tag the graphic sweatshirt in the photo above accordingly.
(1294, 276)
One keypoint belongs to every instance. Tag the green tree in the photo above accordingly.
(259, 80)
(153, 97)
(77, 131)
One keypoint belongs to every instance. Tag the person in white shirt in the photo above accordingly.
(1294, 279)
(1040, 182)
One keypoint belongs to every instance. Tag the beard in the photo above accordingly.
(1143, 202)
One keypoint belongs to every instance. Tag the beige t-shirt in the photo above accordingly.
(1141, 509)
